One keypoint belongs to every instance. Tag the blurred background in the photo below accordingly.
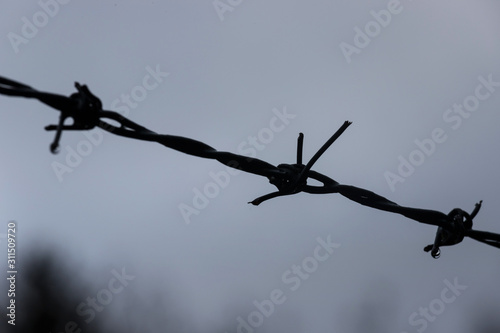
(118, 235)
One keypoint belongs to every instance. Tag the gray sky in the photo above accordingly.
(232, 67)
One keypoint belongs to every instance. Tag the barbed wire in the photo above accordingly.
(85, 109)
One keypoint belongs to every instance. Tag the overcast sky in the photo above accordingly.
(418, 79)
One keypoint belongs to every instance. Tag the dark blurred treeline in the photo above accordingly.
(49, 291)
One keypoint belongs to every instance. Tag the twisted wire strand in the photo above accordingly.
(296, 175)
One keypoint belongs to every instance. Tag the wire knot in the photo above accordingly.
(84, 109)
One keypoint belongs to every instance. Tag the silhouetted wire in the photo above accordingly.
(86, 111)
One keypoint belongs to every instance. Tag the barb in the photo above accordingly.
(300, 146)
(328, 143)
(83, 106)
